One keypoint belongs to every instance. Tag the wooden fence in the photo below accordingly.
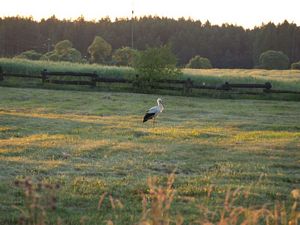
(186, 86)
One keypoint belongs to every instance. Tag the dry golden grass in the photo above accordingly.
(280, 75)
(92, 144)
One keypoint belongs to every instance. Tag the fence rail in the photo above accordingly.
(112, 80)
(19, 75)
(228, 86)
(186, 86)
(68, 73)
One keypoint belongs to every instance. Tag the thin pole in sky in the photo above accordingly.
(132, 12)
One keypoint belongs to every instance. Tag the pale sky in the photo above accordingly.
(247, 13)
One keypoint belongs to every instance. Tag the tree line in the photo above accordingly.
(226, 46)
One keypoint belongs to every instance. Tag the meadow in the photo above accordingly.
(280, 79)
(94, 147)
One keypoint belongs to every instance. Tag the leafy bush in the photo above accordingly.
(124, 56)
(198, 62)
(99, 50)
(62, 47)
(274, 60)
(31, 54)
(295, 66)
(156, 63)
(72, 55)
(63, 52)
(52, 56)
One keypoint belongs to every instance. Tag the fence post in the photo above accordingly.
(268, 85)
(44, 75)
(1, 74)
(188, 85)
(226, 86)
(94, 79)
(136, 82)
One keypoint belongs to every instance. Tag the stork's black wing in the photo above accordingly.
(148, 116)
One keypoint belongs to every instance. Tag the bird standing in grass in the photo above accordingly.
(153, 112)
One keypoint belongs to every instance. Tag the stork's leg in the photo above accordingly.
(153, 121)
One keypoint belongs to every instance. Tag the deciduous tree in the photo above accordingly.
(274, 60)
(124, 56)
(99, 50)
(63, 51)
(198, 62)
(156, 63)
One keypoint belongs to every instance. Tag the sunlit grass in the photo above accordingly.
(95, 142)
(46, 164)
(280, 79)
(283, 75)
(31, 67)
(266, 135)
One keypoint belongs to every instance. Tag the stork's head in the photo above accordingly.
(159, 101)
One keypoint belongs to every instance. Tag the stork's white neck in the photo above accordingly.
(161, 107)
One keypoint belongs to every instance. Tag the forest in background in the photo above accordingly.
(226, 46)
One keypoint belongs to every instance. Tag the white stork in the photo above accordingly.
(153, 112)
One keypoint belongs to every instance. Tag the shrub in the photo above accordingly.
(31, 54)
(72, 55)
(124, 56)
(99, 50)
(63, 52)
(52, 56)
(156, 63)
(198, 62)
(295, 66)
(274, 60)
(63, 46)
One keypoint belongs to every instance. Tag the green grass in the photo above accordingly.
(30, 67)
(94, 142)
(280, 79)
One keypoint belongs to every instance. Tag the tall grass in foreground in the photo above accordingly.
(157, 207)
(38, 199)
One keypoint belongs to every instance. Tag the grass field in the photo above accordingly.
(31, 67)
(280, 79)
(91, 143)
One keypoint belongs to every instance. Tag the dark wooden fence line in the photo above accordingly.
(1, 74)
(112, 80)
(186, 86)
(20, 75)
(228, 86)
(71, 82)
(68, 73)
